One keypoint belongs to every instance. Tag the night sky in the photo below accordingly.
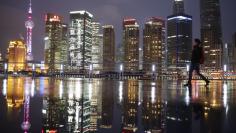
(13, 16)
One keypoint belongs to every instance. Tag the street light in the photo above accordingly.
(121, 70)
(90, 70)
(225, 67)
(61, 68)
(153, 67)
(5, 66)
(121, 67)
(187, 67)
(33, 67)
(91, 67)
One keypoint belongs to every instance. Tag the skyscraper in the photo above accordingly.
(80, 39)
(154, 41)
(16, 55)
(131, 44)
(108, 48)
(55, 42)
(179, 37)
(211, 32)
(64, 45)
(29, 24)
(97, 41)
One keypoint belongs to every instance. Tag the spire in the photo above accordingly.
(178, 6)
(30, 7)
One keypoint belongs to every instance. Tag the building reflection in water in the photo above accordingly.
(90, 106)
(107, 104)
(69, 106)
(152, 113)
(130, 104)
(15, 93)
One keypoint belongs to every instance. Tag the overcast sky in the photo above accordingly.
(13, 15)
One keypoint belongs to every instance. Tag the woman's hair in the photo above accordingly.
(198, 41)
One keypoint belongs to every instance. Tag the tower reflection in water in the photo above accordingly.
(17, 92)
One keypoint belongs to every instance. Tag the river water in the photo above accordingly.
(52, 105)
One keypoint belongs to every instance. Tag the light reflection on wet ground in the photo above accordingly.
(115, 106)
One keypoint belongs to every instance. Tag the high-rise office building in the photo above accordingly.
(179, 37)
(80, 40)
(64, 45)
(97, 50)
(108, 48)
(55, 42)
(154, 43)
(211, 32)
(16, 55)
(131, 44)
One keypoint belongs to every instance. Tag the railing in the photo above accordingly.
(118, 70)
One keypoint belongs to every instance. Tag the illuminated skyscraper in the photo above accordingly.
(179, 37)
(16, 56)
(80, 39)
(97, 41)
(154, 43)
(131, 44)
(108, 48)
(55, 42)
(29, 24)
(211, 32)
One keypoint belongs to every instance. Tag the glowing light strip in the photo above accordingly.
(180, 18)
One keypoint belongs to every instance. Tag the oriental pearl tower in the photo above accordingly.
(29, 24)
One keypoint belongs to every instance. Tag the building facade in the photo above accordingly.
(80, 40)
(154, 44)
(97, 50)
(179, 37)
(131, 44)
(55, 42)
(108, 48)
(16, 55)
(211, 32)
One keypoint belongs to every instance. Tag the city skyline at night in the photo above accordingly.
(106, 12)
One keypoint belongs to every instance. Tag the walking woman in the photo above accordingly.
(196, 59)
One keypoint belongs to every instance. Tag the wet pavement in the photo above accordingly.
(44, 105)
